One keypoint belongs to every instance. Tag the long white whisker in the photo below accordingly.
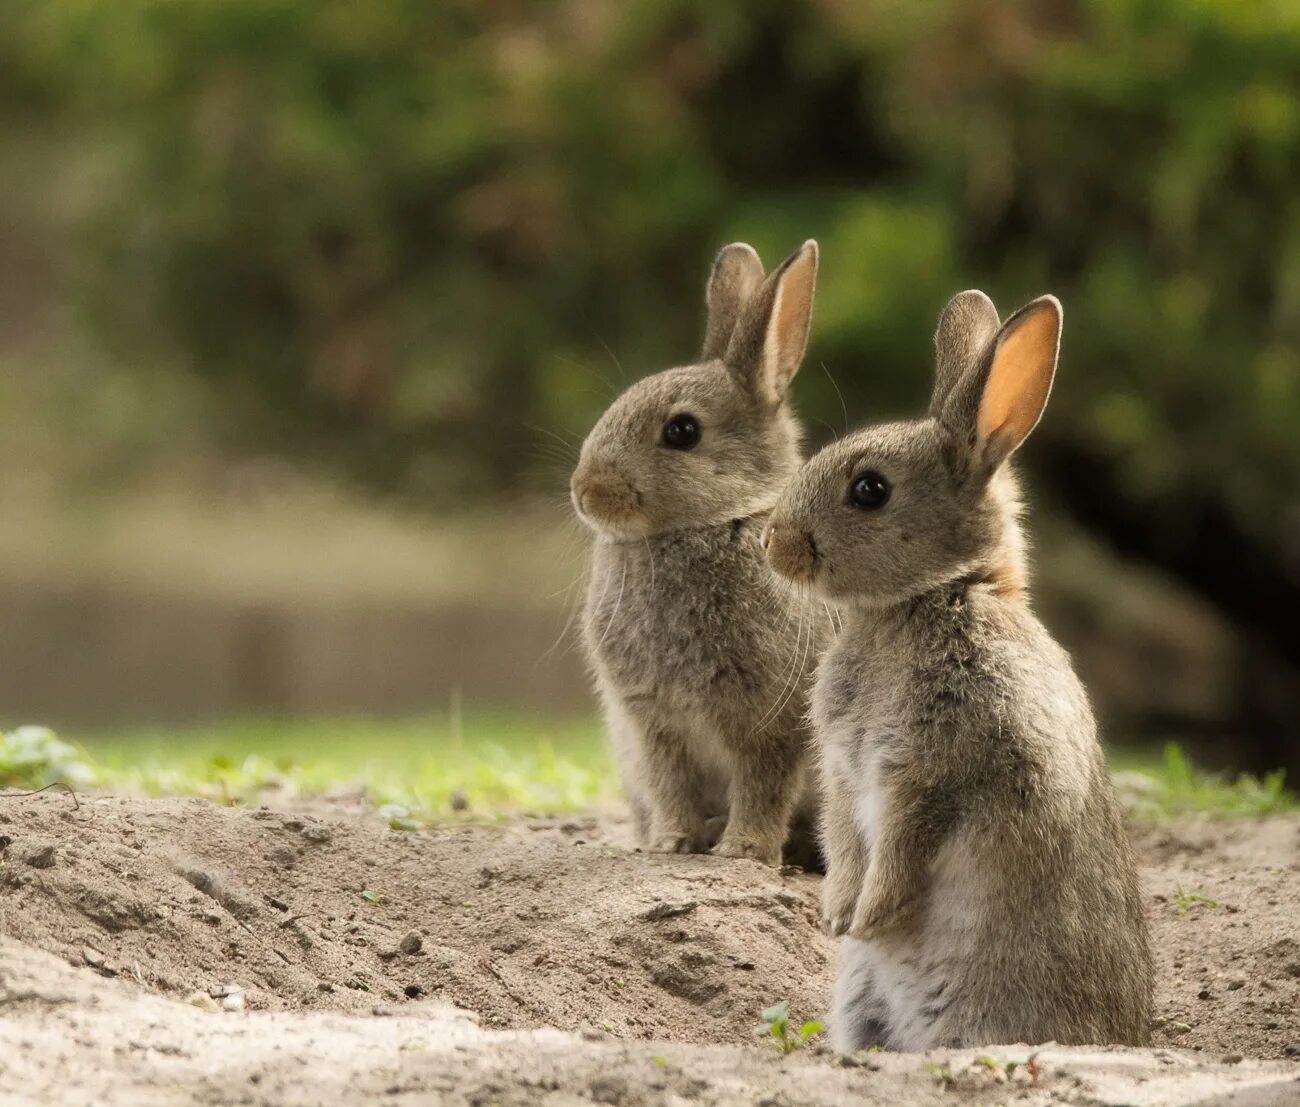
(575, 605)
(613, 357)
(613, 614)
(793, 685)
(775, 709)
(843, 406)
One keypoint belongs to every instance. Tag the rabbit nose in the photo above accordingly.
(791, 553)
(604, 496)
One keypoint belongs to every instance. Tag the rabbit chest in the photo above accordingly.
(858, 722)
(693, 621)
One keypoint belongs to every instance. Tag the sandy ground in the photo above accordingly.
(542, 962)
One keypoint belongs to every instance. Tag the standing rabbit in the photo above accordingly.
(976, 859)
(702, 658)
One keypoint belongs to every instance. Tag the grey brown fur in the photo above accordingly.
(977, 864)
(702, 658)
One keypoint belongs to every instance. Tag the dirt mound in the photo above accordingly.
(532, 924)
(556, 924)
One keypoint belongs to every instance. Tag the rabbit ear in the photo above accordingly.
(966, 328)
(737, 273)
(998, 402)
(768, 343)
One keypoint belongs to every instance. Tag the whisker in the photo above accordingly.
(776, 707)
(606, 383)
(574, 609)
(613, 357)
(564, 442)
(796, 676)
(832, 430)
(843, 406)
(614, 614)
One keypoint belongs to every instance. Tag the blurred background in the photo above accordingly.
(304, 309)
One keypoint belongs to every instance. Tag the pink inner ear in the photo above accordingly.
(1019, 380)
(796, 293)
(788, 330)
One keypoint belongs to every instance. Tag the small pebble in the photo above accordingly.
(411, 944)
(1204, 993)
(92, 956)
(1236, 983)
(459, 800)
(231, 996)
(42, 858)
(1292, 1049)
(1231, 1059)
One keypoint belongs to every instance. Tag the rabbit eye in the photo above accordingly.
(681, 432)
(869, 490)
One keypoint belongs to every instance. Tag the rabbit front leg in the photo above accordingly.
(678, 820)
(763, 788)
(846, 859)
(911, 829)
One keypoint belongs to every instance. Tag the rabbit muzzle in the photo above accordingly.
(790, 552)
(606, 499)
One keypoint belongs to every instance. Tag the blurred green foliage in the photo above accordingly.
(415, 772)
(403, 235)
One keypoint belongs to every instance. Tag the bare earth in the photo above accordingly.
(544, 963)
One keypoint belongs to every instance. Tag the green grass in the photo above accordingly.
(1155, 789)
(492, 766)
(421, 770)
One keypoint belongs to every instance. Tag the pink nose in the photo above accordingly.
(766, 536)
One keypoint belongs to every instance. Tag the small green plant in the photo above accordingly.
(1184, 901)
(398, 817)
(1007, 1069)
(943, 1075)
(776, 1026)
(372, 897)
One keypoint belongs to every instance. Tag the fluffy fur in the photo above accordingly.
(703, 659)
(977, 863)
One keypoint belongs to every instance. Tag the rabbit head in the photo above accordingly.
(705, 443)
(893, 511)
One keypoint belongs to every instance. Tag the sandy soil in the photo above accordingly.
(582, 972)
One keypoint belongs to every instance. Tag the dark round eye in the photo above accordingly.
(869, 490)
(681, 432)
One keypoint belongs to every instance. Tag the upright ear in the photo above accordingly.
(768, 343)
(993, 407)
(966, 328)
(737, 273)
